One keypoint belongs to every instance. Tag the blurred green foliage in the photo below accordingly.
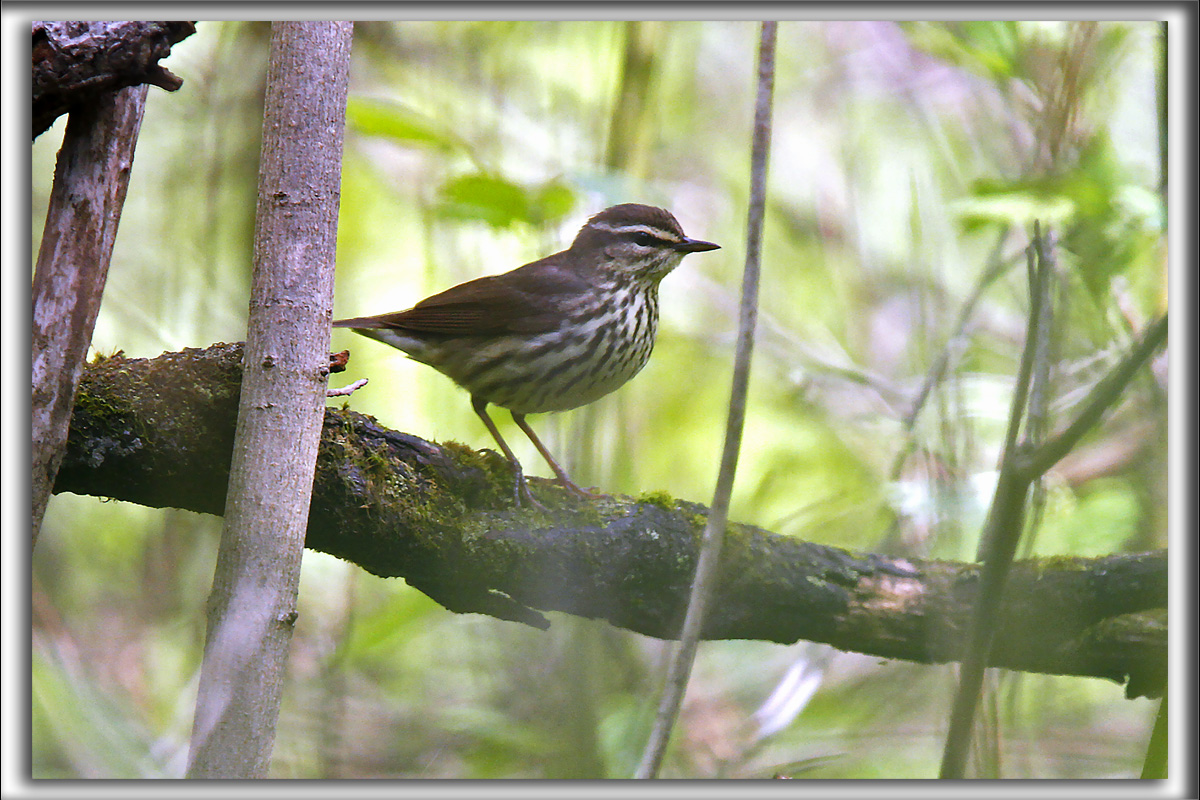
(502, 203)
(909, 160)
(400, 124)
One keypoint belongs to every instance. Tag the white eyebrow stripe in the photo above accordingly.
(657, 233)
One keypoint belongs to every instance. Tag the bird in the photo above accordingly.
(552, 335)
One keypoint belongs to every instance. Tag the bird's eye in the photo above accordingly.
(646, 240)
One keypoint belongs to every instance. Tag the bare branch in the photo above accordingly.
(159, 432)
(1102, 397)
(90, 181)
(347, 390)
(75, 63)
(252, 607)
(1006, 516)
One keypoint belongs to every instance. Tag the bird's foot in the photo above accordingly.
(576, 490)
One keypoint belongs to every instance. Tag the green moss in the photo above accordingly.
(736, 533)
(658, 498)
(423, 504)
(465, 455)
(98, 412)
(592, 513)
(95, 405)
(494, 466)
(1056, 563)
(100, 358)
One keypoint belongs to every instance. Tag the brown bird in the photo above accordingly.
(553, 335)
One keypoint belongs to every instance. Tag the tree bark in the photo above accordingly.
(77, 62)
(90, 181)
(252, 608)
(158, 432)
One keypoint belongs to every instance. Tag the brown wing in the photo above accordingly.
(522, 301)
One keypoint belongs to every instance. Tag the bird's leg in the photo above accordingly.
(520, 487)
(561, 473)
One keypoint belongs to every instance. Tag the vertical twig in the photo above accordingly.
(90, 181)
(1045, 287)
(1023, 462)
(1037, 421)
(1001, 532)
(714, 530)
(252, 608)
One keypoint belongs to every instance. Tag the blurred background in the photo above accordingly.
(909, 162)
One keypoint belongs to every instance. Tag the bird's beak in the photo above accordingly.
(695, 246)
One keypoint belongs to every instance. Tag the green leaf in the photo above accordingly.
(1017, 204)
(400, 124)
(486, 198)
(552, 201)
(502, 203)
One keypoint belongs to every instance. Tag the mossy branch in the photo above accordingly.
(159, 432)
